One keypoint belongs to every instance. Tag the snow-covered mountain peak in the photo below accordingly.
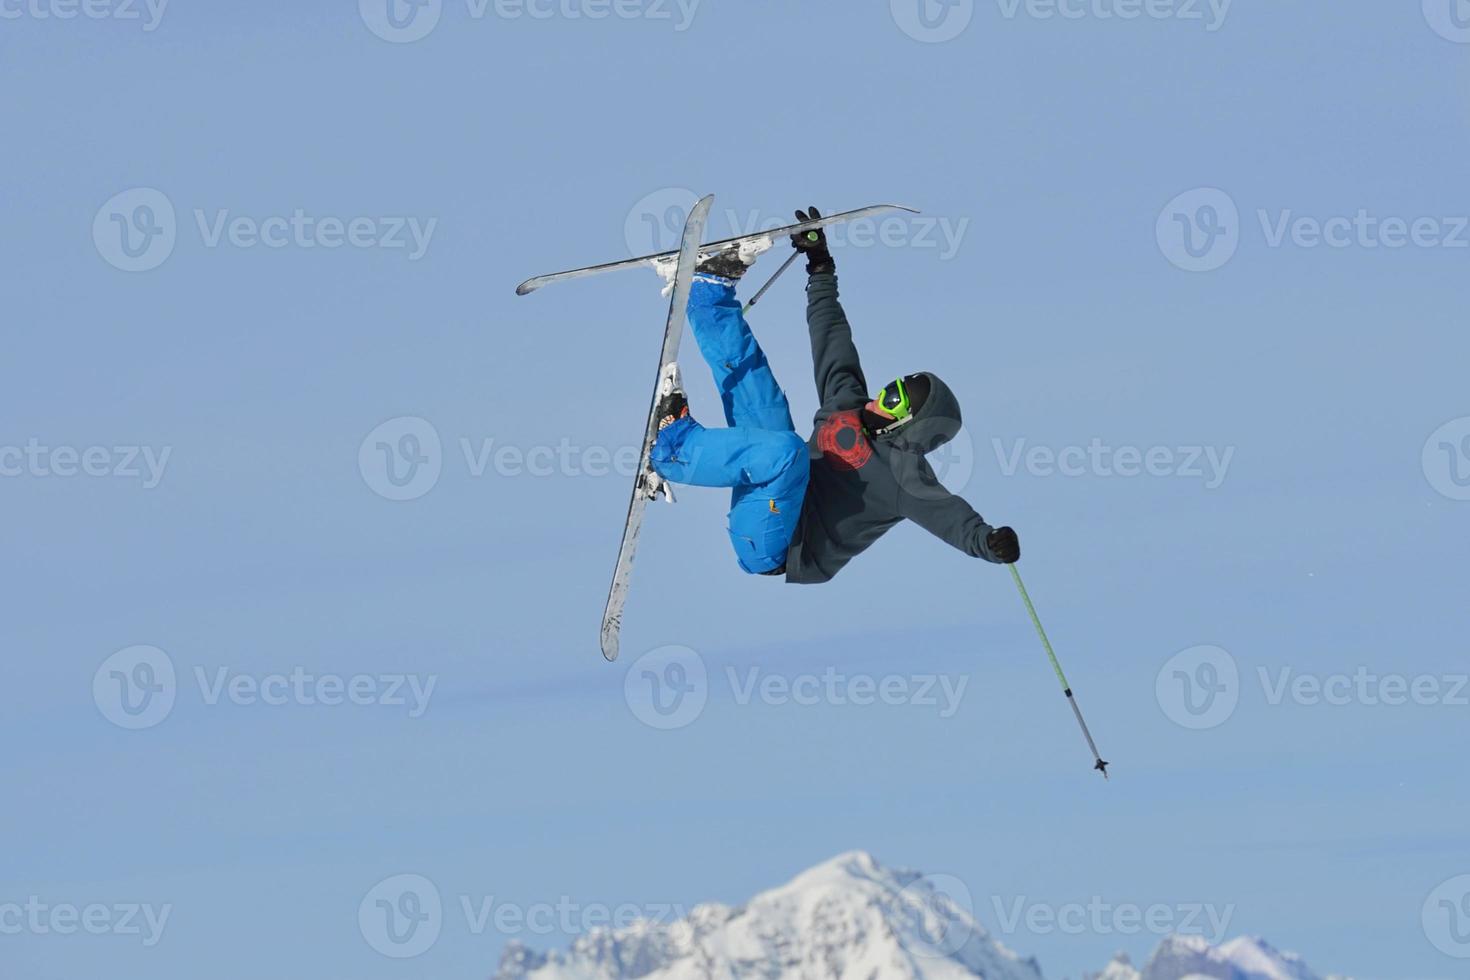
(848, 918)
(1121, 968)
(851, 918)
(851, 868)
(1243, 958)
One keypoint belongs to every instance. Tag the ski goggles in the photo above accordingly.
(894, 399)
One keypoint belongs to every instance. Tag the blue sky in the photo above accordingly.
(188, 468)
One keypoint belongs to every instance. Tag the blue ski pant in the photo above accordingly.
(760, 456)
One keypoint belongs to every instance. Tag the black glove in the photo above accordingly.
(1003, 545)
(813, 244)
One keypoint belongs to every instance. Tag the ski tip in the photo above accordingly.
(609, 647)
(527, 287)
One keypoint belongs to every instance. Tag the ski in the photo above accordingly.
(647, 484)
(713, 248)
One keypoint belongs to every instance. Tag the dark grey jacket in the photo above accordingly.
(862, 485)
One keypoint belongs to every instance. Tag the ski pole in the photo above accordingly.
(1101, 766)
(770, 282)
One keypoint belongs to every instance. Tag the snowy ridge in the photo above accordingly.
(1193, 958)
(847, 919)
(852, 919)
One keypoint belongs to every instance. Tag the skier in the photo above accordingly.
(806, 508)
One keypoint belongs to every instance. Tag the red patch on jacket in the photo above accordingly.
(843, 443)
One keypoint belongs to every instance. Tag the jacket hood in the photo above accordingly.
(934, 424)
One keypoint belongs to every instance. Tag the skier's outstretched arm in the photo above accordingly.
(839, 374)
(949, 517)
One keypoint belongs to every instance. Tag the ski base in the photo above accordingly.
(713, 248)
(648, 484)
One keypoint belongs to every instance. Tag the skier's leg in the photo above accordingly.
(686, 452)
(747, 387)
(767, 470)
(763, 518)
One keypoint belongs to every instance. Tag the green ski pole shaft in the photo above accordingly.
(770, 282)
(1100, 765)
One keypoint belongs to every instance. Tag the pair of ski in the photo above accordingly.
(648, 485)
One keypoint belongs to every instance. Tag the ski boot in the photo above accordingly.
(672, 406)
(724, 267)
